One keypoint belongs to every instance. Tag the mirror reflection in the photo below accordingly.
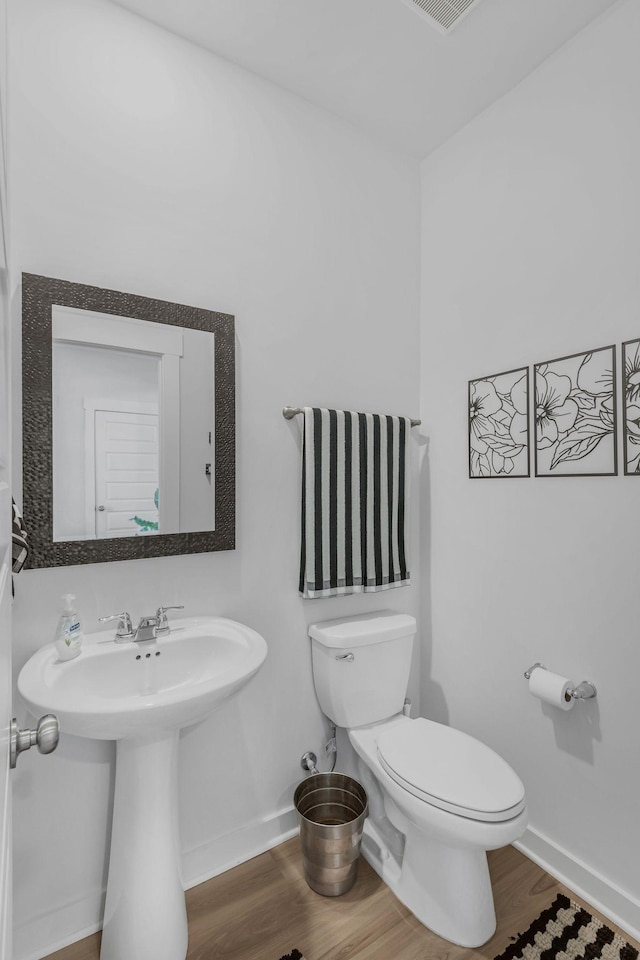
(133, 427)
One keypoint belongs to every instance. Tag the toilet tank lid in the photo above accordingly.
(368, 628)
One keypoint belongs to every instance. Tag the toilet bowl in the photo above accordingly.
(438, 798)
(442, 877)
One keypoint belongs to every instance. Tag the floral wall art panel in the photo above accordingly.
(575, 415)
(499, 425)
(631, 412)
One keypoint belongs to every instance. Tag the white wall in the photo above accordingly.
(530, 251)
(5, 533)
(142, 163)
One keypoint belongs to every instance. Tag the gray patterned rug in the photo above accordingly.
(568, 932)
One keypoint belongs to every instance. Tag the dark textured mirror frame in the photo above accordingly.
(39, 294)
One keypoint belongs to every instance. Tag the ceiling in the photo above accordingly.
(379, 63)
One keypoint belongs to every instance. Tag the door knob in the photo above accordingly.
(45, 737)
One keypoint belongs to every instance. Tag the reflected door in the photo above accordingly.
(126, 450)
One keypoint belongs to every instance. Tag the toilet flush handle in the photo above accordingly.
(346, 657)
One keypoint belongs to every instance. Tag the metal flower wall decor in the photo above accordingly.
(575, 415)
(499, 425)
(631, 411)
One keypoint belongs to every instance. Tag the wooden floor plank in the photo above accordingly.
(264, 908)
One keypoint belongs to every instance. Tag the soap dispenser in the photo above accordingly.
(68, 638)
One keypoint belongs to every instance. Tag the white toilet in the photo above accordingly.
(438, 798)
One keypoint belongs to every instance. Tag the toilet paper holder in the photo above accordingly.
(583, 691)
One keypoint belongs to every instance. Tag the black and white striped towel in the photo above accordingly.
(355, 502)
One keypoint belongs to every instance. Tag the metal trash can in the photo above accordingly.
(331, 809)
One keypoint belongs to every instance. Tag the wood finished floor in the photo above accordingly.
(263, 909)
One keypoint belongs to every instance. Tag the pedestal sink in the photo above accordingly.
(141, 694)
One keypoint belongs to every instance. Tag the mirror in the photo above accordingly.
(128, 425)
(133, 412)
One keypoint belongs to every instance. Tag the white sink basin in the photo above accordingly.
(113, 690)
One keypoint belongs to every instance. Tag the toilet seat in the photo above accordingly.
(451, 770)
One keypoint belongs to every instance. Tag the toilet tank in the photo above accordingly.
(361, 666)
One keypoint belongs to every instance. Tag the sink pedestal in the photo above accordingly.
(145, 915)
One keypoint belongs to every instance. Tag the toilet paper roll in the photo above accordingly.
(551, 688)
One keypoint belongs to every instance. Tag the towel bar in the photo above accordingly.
(290, 412)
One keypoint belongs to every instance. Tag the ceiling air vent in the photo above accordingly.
(444, 15)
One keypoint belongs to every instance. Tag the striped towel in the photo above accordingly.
(355, 499)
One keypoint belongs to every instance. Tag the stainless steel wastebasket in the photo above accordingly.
(331, 809)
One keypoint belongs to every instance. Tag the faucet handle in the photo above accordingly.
(163, 622)
(124, 630)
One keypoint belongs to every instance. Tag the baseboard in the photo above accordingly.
(612, 901)
(38, 936)
(217, 856)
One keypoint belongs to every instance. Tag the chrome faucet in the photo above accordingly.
(149, 628)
